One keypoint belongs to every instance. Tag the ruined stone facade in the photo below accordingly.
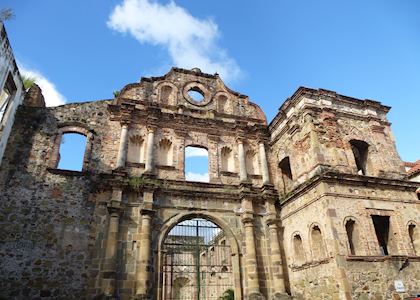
(314, 205)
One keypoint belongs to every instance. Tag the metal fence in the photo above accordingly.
(196, 262)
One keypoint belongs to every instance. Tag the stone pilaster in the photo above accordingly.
(122, 150)
(278, 288)
(109, 265)
(251, 264)
(213, 159)
(144, 260)
(242, 164)
(179, 151)
(149, 149)
(264, 164)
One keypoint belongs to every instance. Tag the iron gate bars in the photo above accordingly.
(196, 262)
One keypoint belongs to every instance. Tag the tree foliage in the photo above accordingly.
(6, 14)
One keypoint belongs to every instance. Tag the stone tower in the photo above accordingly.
(314, 205)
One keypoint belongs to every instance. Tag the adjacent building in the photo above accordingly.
(12, 91)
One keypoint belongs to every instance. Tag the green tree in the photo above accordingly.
(6, 14)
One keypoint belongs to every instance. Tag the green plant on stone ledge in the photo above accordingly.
(116, 93)
(27, 81)
(136, 182)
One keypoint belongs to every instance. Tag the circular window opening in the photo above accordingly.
(196, 94)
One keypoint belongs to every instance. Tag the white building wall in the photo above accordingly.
(8, 66)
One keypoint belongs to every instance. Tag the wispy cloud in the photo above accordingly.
(191, 176)
(51, 94)
(190, 41)
(195, 152)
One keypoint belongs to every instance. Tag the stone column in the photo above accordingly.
(242, 164)
(144, 258)
(122, 150)
(276, 260)
(251, 264)
(109, 267)
(145, 247)
(279, 290)
(264, 165)
(149, 149)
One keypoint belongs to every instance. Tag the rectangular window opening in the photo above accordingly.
(6, 95)
(381, 224)
(196, 166)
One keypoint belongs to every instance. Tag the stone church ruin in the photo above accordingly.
(314, 205)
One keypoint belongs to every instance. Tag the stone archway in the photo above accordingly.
(202, 250)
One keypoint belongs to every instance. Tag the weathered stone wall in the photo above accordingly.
(46, 214)
(372, 279)
(328, 203)
(314, 276)
(314, 128)
(99, 232)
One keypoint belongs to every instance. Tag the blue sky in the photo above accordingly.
(85, 50)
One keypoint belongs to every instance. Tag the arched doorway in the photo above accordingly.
(196, 262)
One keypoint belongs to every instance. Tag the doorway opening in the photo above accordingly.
(196, 262)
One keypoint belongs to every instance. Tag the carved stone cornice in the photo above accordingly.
(272, 220)
(114, 209)
(213, 138)
(147, 211)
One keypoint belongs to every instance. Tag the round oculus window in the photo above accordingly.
(196, 94)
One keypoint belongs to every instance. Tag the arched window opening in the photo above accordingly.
(72, 152)
(185, 253)
(135, 153)
(317, 243)
(298, 250)
(352, 230)
(251, 163)
(360, 152)
(228, 163)
(181, 286)
(166, 94)
(196, 164)
(286, 174)
(414, 234)
(165, 153)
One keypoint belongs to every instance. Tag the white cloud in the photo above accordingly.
(195, 152)
(190, 41)
(51, 95)
(191, 176)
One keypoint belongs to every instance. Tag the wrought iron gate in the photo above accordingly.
(196, 262)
